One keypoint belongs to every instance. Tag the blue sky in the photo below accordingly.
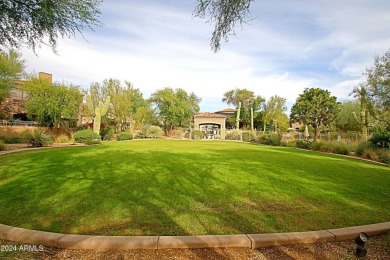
(287, 46)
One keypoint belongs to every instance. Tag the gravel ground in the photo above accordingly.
(378, 248)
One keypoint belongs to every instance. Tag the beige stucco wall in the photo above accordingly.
(219, 121)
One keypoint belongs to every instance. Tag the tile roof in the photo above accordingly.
(208, 115)
(227, 110)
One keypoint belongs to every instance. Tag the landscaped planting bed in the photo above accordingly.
(166, 187)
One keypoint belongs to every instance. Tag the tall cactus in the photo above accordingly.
(98, 112)
(252, 124)
(360, 92)
(238, 116)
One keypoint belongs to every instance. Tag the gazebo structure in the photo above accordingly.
(211, 124)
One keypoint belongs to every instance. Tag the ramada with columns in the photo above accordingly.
(213, 125)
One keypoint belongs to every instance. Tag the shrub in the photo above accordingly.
(13, 139)
(87, 136)
(370, 154)
(248, 137)
(303, 144)
(381, 139)
(262, 138)
(177, 133)
(234, 135)
(384, 155)
(107, 133)
(3, 147)
(37, 138)
(362, 147)
(154, 132)
(197, 134)
(62, 139)
(141, 135)
(124, 136)
(321, 146)
(274, 139)
(341, 148)
(337, 147)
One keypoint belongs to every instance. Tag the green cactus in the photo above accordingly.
(252, 124)
(98, 112)
(238, 116)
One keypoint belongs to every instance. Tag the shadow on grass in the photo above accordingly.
(159, 191)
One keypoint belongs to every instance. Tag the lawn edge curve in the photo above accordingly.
(102, 243)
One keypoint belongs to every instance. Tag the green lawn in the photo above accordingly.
(165, 187)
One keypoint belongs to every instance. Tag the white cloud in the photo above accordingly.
(289, 47)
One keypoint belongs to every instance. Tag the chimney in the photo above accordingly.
(45, 76)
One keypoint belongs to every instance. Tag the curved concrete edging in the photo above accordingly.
(163, 242)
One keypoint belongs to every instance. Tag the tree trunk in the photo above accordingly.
(316, 131)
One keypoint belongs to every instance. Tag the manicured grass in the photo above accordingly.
(165, 187)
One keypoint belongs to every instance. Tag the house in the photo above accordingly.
(13, 107)
(228, 112)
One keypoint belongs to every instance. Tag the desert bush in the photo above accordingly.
(261, 138)
(288, 143)
(106, 133)
(197, 134)
(3, 147)
(384, 155)
(177, 133)
(248, 137)
(303, 144)
(274, 139)
(154, 132)
(370, 154)
(337, 147)
(12, 139)
(234, 135)
(362, 147)
(141, 135)
(124, 136)
(62, 139)
(87, 136)
(381, 139)
(37, 138)
(321, 146)
(341, 148)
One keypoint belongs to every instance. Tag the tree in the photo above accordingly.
(273, 111)
(11, 69)
(347, 118)
(248, 101)
(315, 107)
(125, 101)
(29, 22)
(377, 84)
(174, 107)
(226, 14)
(233, 97)
(52, 104)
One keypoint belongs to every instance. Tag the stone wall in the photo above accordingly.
(11, 106)
(17, 130)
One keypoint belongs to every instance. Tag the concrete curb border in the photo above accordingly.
(101, 243)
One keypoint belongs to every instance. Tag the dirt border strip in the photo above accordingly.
(101, 243)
